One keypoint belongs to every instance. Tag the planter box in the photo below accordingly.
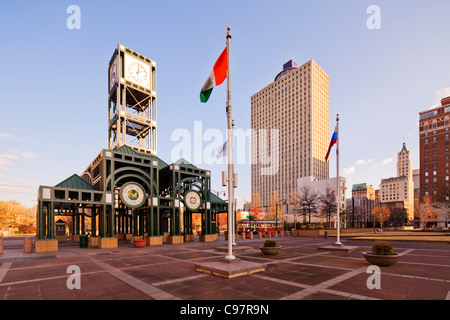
(270, 250)
(175, 239)
(139, 243)
(107, 243)
(134, 238)
(309, 233)
(155, 241)
(42, 246)
(208, 237)
(236, 237)
(381, 260)
(61, 238)
(128, 236)
(93, 241)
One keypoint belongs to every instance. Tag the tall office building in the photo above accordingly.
(434, 138)
(398, 192)
(292, 113)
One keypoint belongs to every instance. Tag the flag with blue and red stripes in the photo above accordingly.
(332, 143)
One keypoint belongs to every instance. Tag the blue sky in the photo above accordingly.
(53, 91)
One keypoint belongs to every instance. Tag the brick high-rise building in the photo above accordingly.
(296, 106)
(434, 137)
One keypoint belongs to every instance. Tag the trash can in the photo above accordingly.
(325, 234)
(83, 241)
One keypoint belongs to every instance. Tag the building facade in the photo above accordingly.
(319, 187)
(363, 190)
(416, 180)
(364, 199)
(434, 140)
(398, 192)
(290, 121)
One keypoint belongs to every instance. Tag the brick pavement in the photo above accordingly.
(167, 272)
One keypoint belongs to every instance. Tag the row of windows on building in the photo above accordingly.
(435, 138)
(447, 143)
(435, 159)
(435, 125)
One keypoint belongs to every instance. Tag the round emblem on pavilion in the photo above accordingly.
(132, 195)
(192, 200)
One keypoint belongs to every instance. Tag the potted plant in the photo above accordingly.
(139, 243)
(382, 255)
(270, 247)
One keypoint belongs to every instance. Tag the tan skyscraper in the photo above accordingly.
(292, 113)
(398, 192)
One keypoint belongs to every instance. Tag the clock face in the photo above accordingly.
(113, 74)
(137, 72)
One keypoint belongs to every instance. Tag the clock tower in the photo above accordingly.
(132, 101)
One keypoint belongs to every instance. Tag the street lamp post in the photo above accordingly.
(287, 212)
(295, 219)
(304, 212)
(282, 201)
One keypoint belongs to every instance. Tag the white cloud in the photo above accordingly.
(5, 163)
(28, 155)
(386, 161)
(9, 136)
(6, 160)
(439, 95)
(363, 162)
(24, 181)
(9, 156)
(349, 170)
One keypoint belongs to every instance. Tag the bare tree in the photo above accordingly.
(328, 203)
(309, 199)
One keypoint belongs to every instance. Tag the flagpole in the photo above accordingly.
(233, 216)
(230, 255)
(338, 184)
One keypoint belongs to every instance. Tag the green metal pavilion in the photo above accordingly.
(99, 194)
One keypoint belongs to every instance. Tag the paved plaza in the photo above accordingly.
(299, 272)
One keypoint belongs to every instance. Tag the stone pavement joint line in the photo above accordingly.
(179, 280)
(4, 269)
(149, 290)
(324, 285)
